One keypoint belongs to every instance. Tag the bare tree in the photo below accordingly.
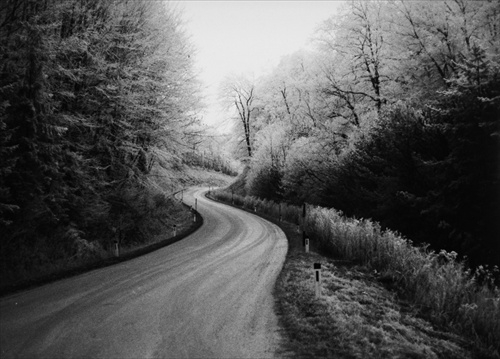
(442, 35)
(239, 94)
(355, 47)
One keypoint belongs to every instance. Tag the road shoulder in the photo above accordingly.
(355, 317)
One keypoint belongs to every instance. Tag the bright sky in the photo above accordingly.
(247, 37)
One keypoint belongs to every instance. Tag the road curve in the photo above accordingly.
(207, 296)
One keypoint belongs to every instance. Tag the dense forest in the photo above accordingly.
(98, 105)
(393, 114)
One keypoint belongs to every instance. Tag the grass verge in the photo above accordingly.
(430, 294)
(356, 316)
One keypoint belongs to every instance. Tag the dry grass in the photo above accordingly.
(356, 317)
(437, 285)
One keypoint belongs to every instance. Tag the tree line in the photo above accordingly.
(96, 97)
(392, 114)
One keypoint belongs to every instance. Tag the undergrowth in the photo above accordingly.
(143, 218)
(443, 289)
(164, 213)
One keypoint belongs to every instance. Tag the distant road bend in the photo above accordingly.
(207, 296)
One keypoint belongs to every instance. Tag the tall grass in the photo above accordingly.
(441, 286)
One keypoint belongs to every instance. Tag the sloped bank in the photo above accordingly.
(417, 276)
(188, 228)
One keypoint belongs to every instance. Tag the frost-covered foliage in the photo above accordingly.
(94, 95)
(392, 116)
(265, 175)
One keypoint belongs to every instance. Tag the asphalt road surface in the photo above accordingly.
(206, 296)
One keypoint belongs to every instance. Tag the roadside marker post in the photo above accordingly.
(194, 214)
(117, 249)
(175, 230)
(317, 280)
(307, 244)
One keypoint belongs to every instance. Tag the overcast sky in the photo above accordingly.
(248, 36)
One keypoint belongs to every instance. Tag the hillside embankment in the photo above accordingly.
(89, 254)
(368, 307)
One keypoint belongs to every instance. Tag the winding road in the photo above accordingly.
(206, 296)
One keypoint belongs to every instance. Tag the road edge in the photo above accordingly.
(84, 268)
